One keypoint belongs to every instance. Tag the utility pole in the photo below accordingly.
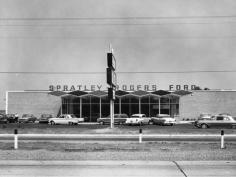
(111, 81)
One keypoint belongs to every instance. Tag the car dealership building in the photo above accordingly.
(181, 104)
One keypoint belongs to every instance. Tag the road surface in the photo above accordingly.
(118, 168)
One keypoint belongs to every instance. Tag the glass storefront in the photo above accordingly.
(92, 107)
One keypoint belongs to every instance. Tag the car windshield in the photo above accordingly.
(135, 116)
(26, 115)
(205, 115)
(73, 116)
(46, 116)
(10, 115)
(162, 115)
(115, 116)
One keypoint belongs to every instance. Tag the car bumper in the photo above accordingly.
(43, 121)
(23, 120)
(133, 123)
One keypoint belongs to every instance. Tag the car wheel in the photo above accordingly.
(204, 126)
(52, 123)
(233, 126)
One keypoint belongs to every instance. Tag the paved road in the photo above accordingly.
(118, 168)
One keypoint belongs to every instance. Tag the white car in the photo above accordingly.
(69, 119)
(163, 119)
(138, 119)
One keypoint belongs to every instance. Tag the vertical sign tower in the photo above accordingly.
(111, 81)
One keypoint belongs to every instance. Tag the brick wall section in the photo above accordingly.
(36, 103)
(212, 102)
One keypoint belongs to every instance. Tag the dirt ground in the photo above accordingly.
(119, 129)
(169, 151)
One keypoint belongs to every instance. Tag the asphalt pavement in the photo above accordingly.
(27, 168)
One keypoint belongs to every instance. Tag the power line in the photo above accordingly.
(117, 37)
(115, 24)
(120, 72)
(178, 72)
(111, 18)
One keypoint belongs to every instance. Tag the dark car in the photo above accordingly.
(217, 121)
(11, 118)
(44, 118)
(3, 119)
(118, 119)
(27, 118)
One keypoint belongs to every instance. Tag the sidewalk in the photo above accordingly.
(24, 168)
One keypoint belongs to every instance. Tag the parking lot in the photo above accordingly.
(85, 128)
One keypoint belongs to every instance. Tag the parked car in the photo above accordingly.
(138, 119)
(44, 118)
(204, 116)
(217, 121)
(118, 119)
(11, 118)
(3, 119)
(27, 118)
(163, 119)
(69, 119)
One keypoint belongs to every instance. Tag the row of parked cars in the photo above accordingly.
(135, 119)
(44, 118)
(204, 120)
(138, 119)
(26, 118)
(8, 118)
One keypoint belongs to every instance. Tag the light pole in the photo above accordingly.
(111, 81)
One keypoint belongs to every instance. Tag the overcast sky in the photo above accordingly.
(146, 35)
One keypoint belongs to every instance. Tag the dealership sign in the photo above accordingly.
(132, 87)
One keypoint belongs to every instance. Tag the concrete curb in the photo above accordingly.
(83, 163)
(110, 163)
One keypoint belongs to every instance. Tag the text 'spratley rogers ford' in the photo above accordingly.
(118, 87)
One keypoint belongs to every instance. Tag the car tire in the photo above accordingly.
(204, 126)
(233, 126)
(52, 123)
